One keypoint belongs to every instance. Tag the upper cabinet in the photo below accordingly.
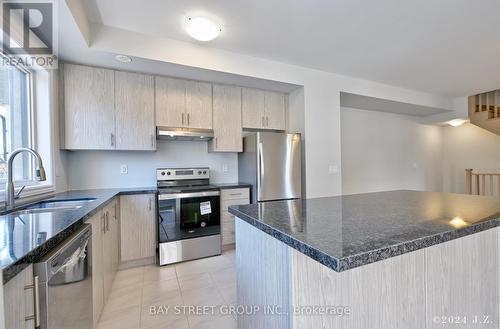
(228, 134)
(89, 95)
(134, 111)
(114, 110)
(183, 104)
(263, 109)
(107, 110)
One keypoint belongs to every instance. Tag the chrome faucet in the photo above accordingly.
(9, 186)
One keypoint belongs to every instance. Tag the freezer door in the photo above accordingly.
(278, 166)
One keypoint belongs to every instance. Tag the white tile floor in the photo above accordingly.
(205, 282)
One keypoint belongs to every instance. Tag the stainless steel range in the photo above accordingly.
(188, 215)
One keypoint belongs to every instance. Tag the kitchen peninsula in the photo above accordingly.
(399, 259)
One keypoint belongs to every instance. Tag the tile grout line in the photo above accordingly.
(182, 297)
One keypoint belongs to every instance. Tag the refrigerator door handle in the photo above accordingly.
(261, 167)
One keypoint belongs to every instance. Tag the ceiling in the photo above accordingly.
(447, 47)
(73, 49)
(383, 105)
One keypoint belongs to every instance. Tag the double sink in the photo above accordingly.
(51, 206)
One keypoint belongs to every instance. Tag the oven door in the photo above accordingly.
(191, 210)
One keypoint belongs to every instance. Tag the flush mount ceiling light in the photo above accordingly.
(457, 122)
(123, 58)
(202, 29)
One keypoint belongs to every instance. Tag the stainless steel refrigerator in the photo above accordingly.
(271, 163)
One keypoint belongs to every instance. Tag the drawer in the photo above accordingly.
(237, 193)
(226, 203)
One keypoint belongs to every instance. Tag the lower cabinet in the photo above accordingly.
(105, 246)
(138, 227)
(230, 197)
(18, 300)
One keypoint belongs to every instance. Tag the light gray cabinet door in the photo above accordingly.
(275, 111)
(137, 226)
(199, 105)
(134, 111)
(253, 108)
(18, 301)
(170, 100)
(88, 108)
(228, 135)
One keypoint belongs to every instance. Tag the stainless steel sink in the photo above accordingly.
(42, 210)
(53, 206)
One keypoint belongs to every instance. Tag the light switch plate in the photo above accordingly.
(225, 168)
(333, 169)
(123, 169)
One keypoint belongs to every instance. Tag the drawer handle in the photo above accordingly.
(235, 194)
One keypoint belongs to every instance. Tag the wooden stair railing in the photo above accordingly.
(484, 111)
(482, 183)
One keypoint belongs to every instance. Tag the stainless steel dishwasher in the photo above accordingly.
(65, 284)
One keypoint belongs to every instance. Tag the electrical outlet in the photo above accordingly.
(123, 169)
(225, 168)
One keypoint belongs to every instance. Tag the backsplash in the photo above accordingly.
(101, 169)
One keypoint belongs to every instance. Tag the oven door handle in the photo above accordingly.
(187, 195)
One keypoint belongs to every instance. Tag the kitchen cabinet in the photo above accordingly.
(134, 111)
(183, 104)
(105, 247)
(228, 135)
(230, 197)
(107, 110)
(88, 107)
(137, 226)
(18, 300)
(263, 109)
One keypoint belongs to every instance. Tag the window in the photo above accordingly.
(15, 120)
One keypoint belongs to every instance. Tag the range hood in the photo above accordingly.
(180, 134)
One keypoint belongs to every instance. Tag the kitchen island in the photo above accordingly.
(399, 259)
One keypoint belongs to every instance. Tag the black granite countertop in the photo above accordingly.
(345, 232)
(29, 237)
(25, 238)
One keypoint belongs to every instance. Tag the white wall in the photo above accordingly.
(384, 151)
(101, 169)
(464, 147)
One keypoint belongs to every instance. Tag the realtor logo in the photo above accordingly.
(29, 33)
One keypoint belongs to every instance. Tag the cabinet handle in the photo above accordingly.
(267, 121)
(183, 119)
(188, 118)
(152, 141)
(36, 293)
(112, 139)
(107, 221)
(216, 143)
(150, 207)
(103, 217)
(114, 206)
(263, 122)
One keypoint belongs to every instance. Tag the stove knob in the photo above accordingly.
(163, 173)
(169, 173)
(199, 172)
(204, 172)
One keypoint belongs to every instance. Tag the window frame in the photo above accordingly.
(31, 124)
